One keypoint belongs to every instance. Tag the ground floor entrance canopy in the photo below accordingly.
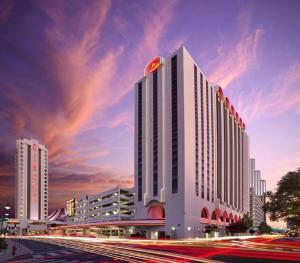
(124, 228)
(147, 222)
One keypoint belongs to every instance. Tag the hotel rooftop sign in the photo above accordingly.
(153, 65)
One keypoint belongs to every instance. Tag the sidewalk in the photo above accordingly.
(21, 250)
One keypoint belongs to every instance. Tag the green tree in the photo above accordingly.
(238, 227)
(264, 228)
(285, 202)
(248, 221)
(241, 226)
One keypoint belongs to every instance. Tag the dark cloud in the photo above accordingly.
(5, 10)
(7, 184)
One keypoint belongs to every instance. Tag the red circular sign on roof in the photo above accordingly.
(153, 65)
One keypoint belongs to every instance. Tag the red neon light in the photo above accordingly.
(34, 166)
(34, 174)
(153, 65)
(220, 93)
(156, 212)
(227, 102)
(232, 110)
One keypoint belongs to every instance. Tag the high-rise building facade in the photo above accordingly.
(31, 180)
(256, 182)
(252, 172)
(263, 187)
(191, 149)
(257, 197)
(256, 208)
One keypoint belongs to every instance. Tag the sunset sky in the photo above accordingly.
(67, 70)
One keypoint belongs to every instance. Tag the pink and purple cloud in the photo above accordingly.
(67, 71)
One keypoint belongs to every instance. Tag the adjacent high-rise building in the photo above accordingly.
(256, 208)
(191, 150)
(256, 182)
(263, 187)
(257, 197)
(252, 172)
(31, 180)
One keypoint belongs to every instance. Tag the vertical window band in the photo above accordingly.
(174, 125)
(196, 133)
(155, 135)
(140, 156)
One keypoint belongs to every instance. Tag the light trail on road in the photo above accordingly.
(171, 251)
(127, 253)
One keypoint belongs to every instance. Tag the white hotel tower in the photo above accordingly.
(31, 180)
(191, 150)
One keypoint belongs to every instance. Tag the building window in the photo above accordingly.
(231, 160)
(212, 147)
(202, 134)
(207, 140)
(239, 166)
(219, 151)
(242, 164)
(140, 157)
(196, 133)
(235, 165)
(155, 135)
(28, 180)
(174, 125)
(225, 154)
(40, 181)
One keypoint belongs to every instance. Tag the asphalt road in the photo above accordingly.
(262, 249)
(49, 252)
(38, 247)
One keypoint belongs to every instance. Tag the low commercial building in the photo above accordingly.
(81, 210)
(71, 204)
(113, 205)
(121, 229)
(25, 227)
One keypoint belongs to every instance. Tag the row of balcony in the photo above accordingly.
(111, 208)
